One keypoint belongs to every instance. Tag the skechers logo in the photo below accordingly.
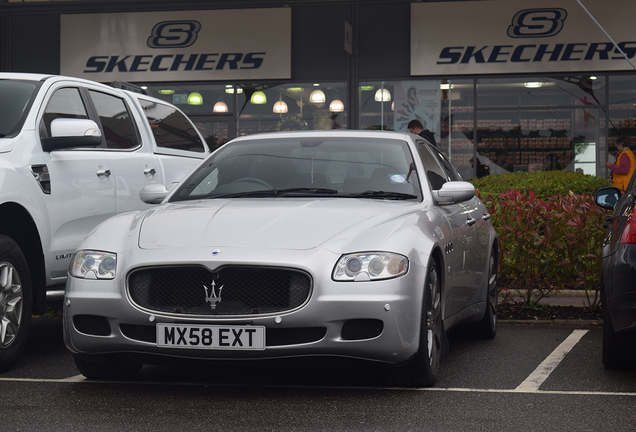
(534, 23)
(174, 34)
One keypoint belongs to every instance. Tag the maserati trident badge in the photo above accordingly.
(211, 296)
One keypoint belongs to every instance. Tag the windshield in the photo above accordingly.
(15, 99)
(348, 167)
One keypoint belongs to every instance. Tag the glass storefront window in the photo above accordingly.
(195, 99)
(621, 114)
(297, 106)
(541, 91)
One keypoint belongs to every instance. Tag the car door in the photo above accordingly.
(82, 185)
(134, 164)
(460, 289)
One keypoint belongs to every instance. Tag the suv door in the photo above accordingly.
(82, 185)
(179, 147)
(135, 166)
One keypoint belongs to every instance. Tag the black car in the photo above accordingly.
(618, 281)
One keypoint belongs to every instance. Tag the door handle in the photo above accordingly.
(150, 171)
(486, 216)
(471, 221)
(103, 173)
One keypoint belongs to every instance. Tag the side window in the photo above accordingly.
(171, 128)
(119, 130)
(65, 103)
(434, 173)
(451, 172)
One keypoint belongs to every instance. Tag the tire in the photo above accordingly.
(423, 370)
(16, 302)
(487, 327)
(618, 349)
(108, 370)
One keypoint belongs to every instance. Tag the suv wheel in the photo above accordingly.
(15, 302)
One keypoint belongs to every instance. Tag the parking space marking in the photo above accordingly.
(82, 379)
(541, 373)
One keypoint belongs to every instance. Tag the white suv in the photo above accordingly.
(73, 153)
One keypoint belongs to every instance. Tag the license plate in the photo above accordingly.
(211, 337)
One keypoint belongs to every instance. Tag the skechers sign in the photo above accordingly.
(158, 46)
(520, 36)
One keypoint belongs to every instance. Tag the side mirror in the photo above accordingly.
(71, 133)
(607, 197)
(153, 193)
(454, 191)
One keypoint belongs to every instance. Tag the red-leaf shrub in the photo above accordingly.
(548, 244)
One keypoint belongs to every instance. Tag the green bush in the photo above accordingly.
(550, 231)
(544, 184)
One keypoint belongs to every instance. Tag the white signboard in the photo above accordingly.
(493, 37)
(178, 46)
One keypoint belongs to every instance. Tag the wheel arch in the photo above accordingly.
(17, 223)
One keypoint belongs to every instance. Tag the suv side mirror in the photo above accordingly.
(71, 133)
(607, 197)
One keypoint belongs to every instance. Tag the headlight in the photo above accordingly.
(365, 266)
(93, 265)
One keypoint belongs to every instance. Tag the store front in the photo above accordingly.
(525, 87)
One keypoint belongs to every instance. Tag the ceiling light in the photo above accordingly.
(280, 107)
(533, 84)
(258, 98)
(382, 95)
(220, 107)
(195, 99)
(593, 77)
(230, 90)
(166, 92)
(317, 96)
(295, 89)
(366, 88)
(336, 105)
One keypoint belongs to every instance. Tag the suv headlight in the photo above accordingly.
(93, 265)
(369, 266)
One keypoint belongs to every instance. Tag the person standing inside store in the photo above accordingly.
(625, 164)
(415, 127)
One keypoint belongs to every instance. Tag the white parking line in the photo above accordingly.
(541, 373)
(82, 379)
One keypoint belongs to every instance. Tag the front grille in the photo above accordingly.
(228, 291)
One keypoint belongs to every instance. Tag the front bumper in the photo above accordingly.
(376, 321)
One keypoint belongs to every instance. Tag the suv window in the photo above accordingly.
(65, 103)
(16, 98)
(171, 128)
(118, 127)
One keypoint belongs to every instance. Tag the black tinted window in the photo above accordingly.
(65, 103)
(118, 127)
(171, 128)
(15, 99)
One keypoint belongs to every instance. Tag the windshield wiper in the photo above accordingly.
(308, 190)
(382, 195)
(278, 192)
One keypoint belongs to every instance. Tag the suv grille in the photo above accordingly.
(229, 291)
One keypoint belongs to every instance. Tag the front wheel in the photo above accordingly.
(423, 370)
(15, 302)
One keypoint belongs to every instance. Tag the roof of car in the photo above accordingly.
(329, 133)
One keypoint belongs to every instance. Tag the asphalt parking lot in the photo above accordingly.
(530, 377)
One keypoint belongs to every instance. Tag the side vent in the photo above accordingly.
(41, 174)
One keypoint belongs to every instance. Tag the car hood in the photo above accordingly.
(258, 223)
